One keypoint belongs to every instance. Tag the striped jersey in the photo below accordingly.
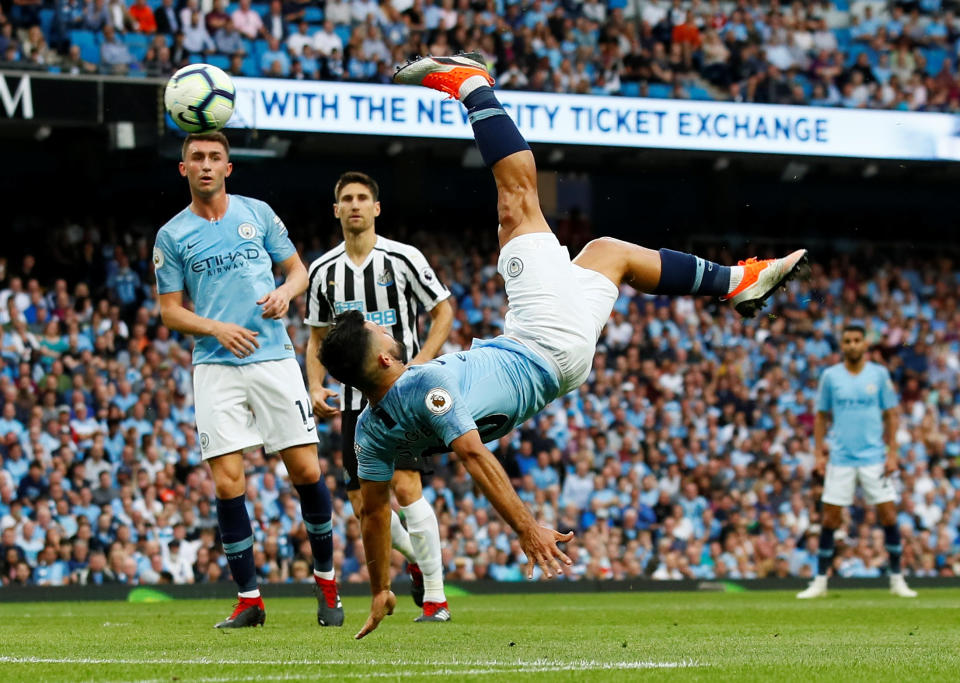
(387, 288)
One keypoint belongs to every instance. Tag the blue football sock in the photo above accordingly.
(682, 273)
(237, 537)
(891, 540)
(316, 508)
(496, 133)
(825, 555)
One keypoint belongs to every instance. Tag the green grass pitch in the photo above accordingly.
(853, 635)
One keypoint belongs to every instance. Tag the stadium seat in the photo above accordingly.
(249, 67)
(935, 58)
(196, 58)
(261, 8)
(88, 43)
(343, 31)
(843, 37)
(47, 17)
(697, 92)
(630, 89)
(842, 5)
(659, 90)
(313, 15)
(219, 61)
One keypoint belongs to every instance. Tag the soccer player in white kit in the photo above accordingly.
(249, 391)
(557, 309)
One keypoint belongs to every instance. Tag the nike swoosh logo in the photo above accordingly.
(310, 429)
(191, 246)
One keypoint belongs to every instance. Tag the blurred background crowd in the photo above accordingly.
(687, 454)
(877, 54)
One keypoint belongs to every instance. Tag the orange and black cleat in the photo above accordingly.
(445, 74)
(761, 278)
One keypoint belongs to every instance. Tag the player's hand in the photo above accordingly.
(319, 399)
(820, 465)
(540, 547)
(892, 463)
(381, 606)
(238, 340)
(275, 304)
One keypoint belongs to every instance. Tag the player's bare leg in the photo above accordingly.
(747, 285)
(887, 515)
(316, 507)
(427, 574)
(237, 536)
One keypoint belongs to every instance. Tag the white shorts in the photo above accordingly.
(555, 307)
(242, 407)
(840, 484)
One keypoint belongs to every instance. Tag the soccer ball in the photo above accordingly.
(199, 98)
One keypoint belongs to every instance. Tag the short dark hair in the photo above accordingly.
(356, 177)
(344, 349)
(214, 136)
(854, 327)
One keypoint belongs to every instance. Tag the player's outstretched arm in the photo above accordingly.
(539, 543)
(276, 303)
(375, 528)
(441, 322)
(238, 340)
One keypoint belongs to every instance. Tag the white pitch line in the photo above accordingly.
(505, 669)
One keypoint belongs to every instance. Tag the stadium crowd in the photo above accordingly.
(890, 55)
(687, 454)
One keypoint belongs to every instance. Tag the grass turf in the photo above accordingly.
(864, 635)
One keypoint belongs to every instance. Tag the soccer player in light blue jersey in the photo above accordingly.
(248, 387)
(557, 309)
(858, 398)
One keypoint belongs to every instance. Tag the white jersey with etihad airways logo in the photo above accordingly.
(387, 288)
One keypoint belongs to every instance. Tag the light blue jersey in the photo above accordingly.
(856, 403)
(492, 388)
(225, 267)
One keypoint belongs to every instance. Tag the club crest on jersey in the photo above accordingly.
(438, 401)
(246, 231)
(428, 275)
(871, 388)
(514, 267)
(158, 258)
(385, 278)
(204, 440)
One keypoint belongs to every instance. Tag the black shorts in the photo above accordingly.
(348, 426)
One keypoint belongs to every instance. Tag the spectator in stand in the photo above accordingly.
(143, 17)
(297, 40)
(216, 18)
(228, 40)
(115, 57)
(274, 23)
(247, 21)
(326, 40)
(167, 20)
(275, 59)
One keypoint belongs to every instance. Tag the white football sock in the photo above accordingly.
(324, 575)
(471, 84)
(425, 537)
(255, 593)
(736, 275)
(400, 539)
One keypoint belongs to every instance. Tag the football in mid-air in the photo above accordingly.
(199, 98)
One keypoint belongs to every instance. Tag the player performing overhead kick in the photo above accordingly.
(557, 309)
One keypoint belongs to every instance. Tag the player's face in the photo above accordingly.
(853, 345)
(355, 208)
(383, 342)
(205, 167)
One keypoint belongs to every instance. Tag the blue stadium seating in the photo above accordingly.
(343, 32)
(313, 14)
(219, 61)
(843, 37)
(89, 44)
(659, 90)
(47, 17)
(935, 58)
(697, 92)
(630, 89)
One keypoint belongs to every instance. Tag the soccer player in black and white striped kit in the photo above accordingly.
(386, 281)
